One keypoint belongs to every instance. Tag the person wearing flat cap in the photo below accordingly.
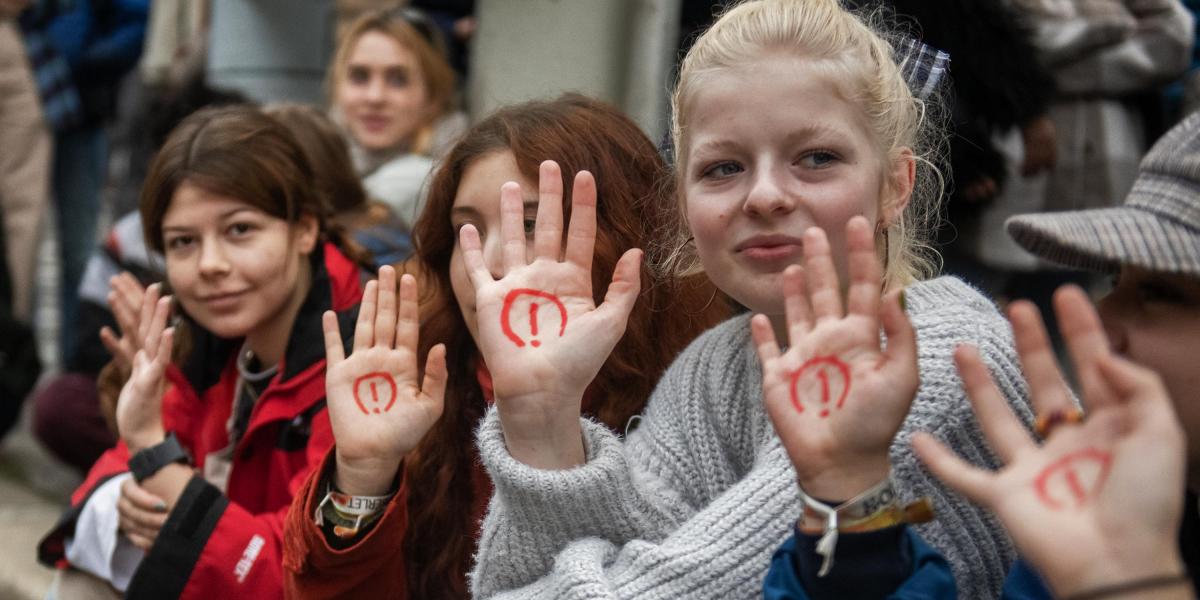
(1101, 501)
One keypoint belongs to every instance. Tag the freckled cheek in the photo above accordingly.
(708, 226)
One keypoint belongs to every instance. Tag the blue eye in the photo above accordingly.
(722, 169)
(818, 159)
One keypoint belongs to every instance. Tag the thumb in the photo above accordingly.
(434, 383)
(625, 286)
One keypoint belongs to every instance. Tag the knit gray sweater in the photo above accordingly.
(695, 500)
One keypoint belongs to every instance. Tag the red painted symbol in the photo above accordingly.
(505, 315)
(1073, 479)
(820, 368)
(370, 386)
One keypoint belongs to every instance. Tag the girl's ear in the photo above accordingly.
(306, 231)
(898, 191)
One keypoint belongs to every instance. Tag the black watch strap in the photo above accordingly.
(149, 461)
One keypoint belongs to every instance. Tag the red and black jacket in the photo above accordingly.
(229, 545)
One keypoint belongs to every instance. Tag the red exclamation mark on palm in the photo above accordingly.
(820, 366)
(824, 377)
(533, 310)
(375, 397)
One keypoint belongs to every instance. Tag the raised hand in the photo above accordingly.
(125, 301)
(540, 332)
(1099, 502)
(836, 399)
(139, 406)
(379, 406)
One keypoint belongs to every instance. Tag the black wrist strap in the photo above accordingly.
(149, 461)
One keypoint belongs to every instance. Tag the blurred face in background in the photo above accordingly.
(1154, 319)
(382, 95)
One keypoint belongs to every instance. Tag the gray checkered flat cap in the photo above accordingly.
(1157, 229)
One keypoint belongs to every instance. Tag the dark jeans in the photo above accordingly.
(80, 170)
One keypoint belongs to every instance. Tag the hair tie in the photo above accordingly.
(922, 66)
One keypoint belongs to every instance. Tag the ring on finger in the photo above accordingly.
(1046, 423)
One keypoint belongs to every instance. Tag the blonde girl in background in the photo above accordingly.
(392, 91)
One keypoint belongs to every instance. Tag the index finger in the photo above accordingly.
(364, 328)
(1048, 389)
(581, 238)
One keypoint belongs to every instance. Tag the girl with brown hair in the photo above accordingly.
(392, 90)
(440, 489)
(191, 500)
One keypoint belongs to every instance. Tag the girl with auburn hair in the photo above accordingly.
(392, 91)
(191, 500)
(440, 490)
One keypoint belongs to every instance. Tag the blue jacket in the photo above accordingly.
(98, 41)
(893, 564)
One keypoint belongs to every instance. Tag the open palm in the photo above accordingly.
(835, 397)
(378, 406)
(1099, 502)
(540, 332)
(139, 406)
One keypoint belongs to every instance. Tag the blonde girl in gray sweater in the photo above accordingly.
(790, 116)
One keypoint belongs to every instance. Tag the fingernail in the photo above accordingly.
(903, 300)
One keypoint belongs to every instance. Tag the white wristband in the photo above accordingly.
(873, 499)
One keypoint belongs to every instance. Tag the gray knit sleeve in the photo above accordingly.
(535, 513)
(971, 538)
(685, 507)
(719, 552)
